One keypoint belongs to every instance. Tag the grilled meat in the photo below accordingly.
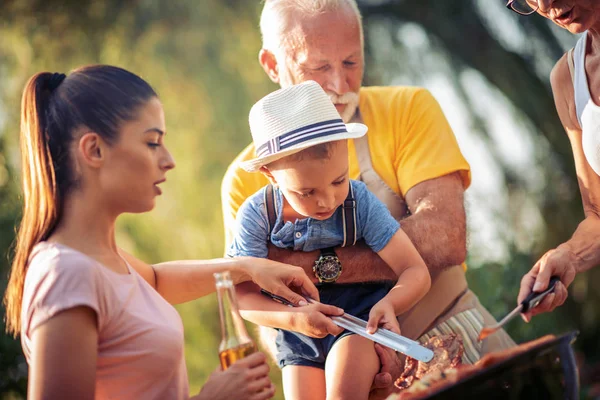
(437, 380)
(447, 353)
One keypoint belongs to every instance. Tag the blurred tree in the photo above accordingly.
(197, 61)
(472, 35)
(13, 371)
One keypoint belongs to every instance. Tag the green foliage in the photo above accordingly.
(13, 371)
(203, 65)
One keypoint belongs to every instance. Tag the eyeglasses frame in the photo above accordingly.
(510, 6)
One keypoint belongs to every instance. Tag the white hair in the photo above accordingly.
(278, 15)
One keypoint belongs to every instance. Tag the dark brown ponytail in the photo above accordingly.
(99, 98)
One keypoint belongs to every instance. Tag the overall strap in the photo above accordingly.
(375, 183)
(349, 218)
(270, 206)
(348, 214)
(363, 153)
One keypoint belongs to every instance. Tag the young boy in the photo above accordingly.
(301, 146)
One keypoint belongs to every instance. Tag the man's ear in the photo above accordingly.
(91, 149)
(265, 171)
(269, 63)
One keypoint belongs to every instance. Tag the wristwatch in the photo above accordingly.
(328, 267)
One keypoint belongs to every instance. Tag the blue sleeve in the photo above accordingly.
(251, 229)
(374, 222)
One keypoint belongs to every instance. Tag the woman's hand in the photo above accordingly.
(382, 315)
(558, 262)
(246, 379)
(313, 320)
(280, 279)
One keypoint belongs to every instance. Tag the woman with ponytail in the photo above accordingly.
(94, 321)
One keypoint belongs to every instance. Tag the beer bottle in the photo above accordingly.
(235, 341)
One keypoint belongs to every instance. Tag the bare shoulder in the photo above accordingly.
(145, 270)
(564, 94)
(564, 98)
(560, 74)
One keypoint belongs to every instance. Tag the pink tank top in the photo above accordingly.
(140, 335)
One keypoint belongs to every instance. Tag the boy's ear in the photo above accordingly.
(269, 63)
(265, 171)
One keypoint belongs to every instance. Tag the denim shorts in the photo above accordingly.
(355, 298)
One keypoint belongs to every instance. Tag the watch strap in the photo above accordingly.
(328, 251)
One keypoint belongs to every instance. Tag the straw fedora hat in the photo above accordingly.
(291, 119)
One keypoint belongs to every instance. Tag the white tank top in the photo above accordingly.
(588, 113)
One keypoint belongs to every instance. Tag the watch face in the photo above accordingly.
(328, 269)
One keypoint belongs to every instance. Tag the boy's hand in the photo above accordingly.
(313, 320)
(382, 315)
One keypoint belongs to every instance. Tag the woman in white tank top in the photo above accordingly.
(576, 87)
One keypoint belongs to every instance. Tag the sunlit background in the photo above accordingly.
(487, 67)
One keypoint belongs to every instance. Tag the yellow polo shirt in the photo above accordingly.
(410, 141)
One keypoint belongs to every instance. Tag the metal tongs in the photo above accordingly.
(382, 336)
(531, 301)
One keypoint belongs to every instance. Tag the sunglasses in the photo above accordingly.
(523, 7)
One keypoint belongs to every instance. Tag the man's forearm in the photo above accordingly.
(437, 228)
(440, 240)
(359, 263)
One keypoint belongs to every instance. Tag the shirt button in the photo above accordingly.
(298, 235)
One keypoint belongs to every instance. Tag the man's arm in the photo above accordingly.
(356, 261)
(437, 226)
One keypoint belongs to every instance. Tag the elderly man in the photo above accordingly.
(409, 158)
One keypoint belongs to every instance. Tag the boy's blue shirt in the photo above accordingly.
(374, 224)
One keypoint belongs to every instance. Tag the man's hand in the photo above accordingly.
(382, 315)
(383, 384)
(556, 262)
(280, 279)
(247, 378)
(313, 320)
